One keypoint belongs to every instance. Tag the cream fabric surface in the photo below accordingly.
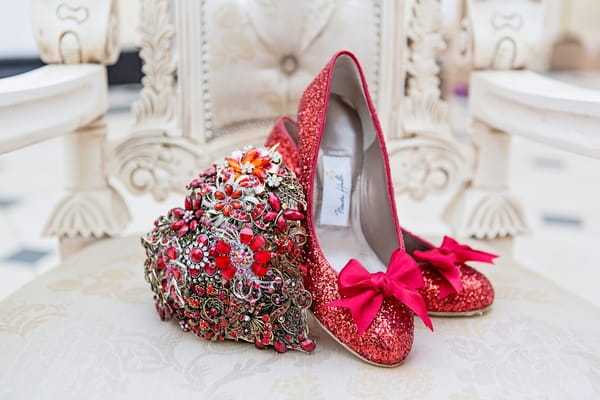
(88, 330)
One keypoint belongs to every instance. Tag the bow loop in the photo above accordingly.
(364, 292)
(446, 260)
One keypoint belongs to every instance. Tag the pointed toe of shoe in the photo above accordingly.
(475, 298)
(387, 341)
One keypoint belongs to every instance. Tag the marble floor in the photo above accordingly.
(559, 191)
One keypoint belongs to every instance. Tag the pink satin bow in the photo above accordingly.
(446, 259)
(364, 292)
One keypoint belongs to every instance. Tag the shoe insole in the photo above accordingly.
(338, 190)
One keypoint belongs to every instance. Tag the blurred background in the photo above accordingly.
(560, 188)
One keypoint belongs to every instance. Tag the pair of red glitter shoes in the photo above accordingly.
(367, 276)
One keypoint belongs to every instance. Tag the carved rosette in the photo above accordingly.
(157, 164)
(155, 110)
(428, 165)
(425, 111)
(76, 31)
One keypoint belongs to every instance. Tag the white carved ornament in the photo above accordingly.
(423, 165)
(503, 33)
(92, 209)
(483, 214)
(88, 214)
(76, 31)
(158, 165)
(155, 110)
(427, 159)
(425, 111)
(484, 208)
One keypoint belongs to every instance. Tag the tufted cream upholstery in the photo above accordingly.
(248, 62)
(261, 55)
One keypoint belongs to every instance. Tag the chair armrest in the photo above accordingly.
(53, 100)
(539, 108)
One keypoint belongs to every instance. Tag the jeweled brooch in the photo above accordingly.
(229, 263)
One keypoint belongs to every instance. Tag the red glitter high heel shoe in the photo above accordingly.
(452, 288)
(364, 302)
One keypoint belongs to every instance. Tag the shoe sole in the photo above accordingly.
(352, 351)
(475, 313)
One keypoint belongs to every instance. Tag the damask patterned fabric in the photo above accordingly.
(88, 330)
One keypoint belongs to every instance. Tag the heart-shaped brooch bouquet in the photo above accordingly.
(229, 264)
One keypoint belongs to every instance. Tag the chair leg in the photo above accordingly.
(93, 209)
(484, 208)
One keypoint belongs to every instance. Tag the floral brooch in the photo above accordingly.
(229, 263)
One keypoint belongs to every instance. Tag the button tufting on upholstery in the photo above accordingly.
(289, 64)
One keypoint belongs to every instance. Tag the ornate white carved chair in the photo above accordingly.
(505, 98)
(88, 329)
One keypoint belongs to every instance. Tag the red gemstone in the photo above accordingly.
(197, 202)
(262, 257)
(195, 183)
(171, 252)
(307, 345)
(202, 240)
(178, 212)
(274, 202)
(194, 272)
(281, 223)
(279, 347)
(293, 215)
(196, 255)
(193, 225)
(210, 269)
(219, 195)
(188, 203)
(222, 247)
(226, 210)
(257, 243)
(183, 231)
(228, 272)
(258, 210)
(223, 262)
(259, 344)
(246, 235)
(270, 216)
(177, 225)
(228, 190)
(259, 270)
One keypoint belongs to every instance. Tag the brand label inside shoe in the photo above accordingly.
(337, 187)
